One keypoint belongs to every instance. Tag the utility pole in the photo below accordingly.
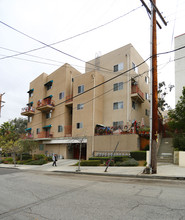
(154, 93)
(1, 102)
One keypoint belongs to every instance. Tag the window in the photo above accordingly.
(118, 86)
(30, 94)
(147, 112)
(80, 106)
(80, 89)
(133, 105)
(134, 67)
(60, 128)
(41, 147)
(118, 67)
(38, 131)
(48, 115)
(79, 125)
(146, 79)
(29, 119)
(61, 95)
(118, 105)
(146, 96)
(117, 124)
(48, 85)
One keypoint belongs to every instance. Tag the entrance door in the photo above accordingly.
(76, 151)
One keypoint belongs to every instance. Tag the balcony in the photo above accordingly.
(46, 104)
(28, 111)
(45, 134)
(69, 99)
(137, 94)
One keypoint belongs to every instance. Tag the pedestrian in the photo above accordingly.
(54, 160)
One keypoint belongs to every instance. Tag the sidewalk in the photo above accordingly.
(164, 171)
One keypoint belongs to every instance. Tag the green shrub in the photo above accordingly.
(36, 162)
(39, 156)
(129, 162)
(138, 155)
(26, 156)
(179, 143)
(111, 163)
(49, 158)
(90, 163)
(24, 161)
(120, 158)
(7, 160)
(146, 148)
(102, 159)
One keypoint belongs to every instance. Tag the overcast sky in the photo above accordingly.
(50, 21)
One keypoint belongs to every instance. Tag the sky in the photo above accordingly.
(51, 21)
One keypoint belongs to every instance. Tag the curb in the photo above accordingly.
(144, 176)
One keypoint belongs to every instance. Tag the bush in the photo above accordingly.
(146, 148)
(36, 162)
(7, 160)
(138, 155)
(90, 163)
(129, 162)
(39, 156)
(24, 161)
(111, 163)
(102, 159)
(120, 158)
(179, 143)
(49, 158)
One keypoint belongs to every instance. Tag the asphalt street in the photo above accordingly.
(41, 195)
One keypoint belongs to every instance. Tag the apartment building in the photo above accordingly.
(179, 67)
(65, 107)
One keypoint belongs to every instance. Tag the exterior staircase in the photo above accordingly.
(165, 152)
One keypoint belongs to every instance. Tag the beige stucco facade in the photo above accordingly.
(66, 105)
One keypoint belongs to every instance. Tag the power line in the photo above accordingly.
(77, 35)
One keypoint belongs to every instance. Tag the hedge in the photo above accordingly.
(120, 158)
(138, 155)
(129, 162)
(90, 163)
(102, 159)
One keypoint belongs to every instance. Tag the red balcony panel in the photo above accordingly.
(45, 105)
(68, 130)
(69, 98)
(28, 111)
(136, 93)
(45, 134)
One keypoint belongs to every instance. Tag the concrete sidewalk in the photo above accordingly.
(164, 171)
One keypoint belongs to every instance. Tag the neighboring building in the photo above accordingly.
(179, 66)
(64, 109)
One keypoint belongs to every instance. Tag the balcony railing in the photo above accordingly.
(28, 111)
(136, 93)
(45, 104)
(45, 134)
(69, 98)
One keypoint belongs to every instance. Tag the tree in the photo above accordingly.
(163, 90)
(20, 125)
(10, 140)
(177, 115)
(28, 146)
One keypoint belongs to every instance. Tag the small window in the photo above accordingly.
(118, 86)
(118, 67)
(80, 106)
(60, 128)
(134, 67)
(133, 105)
(117, 125)
(117, 105)
(147, 112)
(38, 131)
(80, 89)
(79, 125)
(49, 86)
(48, 115)
(41, 147)
(146, 96)
(29, 119)
(61, 95)
(146, 79)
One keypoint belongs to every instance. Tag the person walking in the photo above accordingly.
(54, 160)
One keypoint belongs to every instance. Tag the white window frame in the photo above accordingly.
(118, 105)
(80, 89)
(118, 86)
(135, 68)
(48, 115)
(79, 125)
(117, 124)
(61, 95)
(80, 106)
(60, 128)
